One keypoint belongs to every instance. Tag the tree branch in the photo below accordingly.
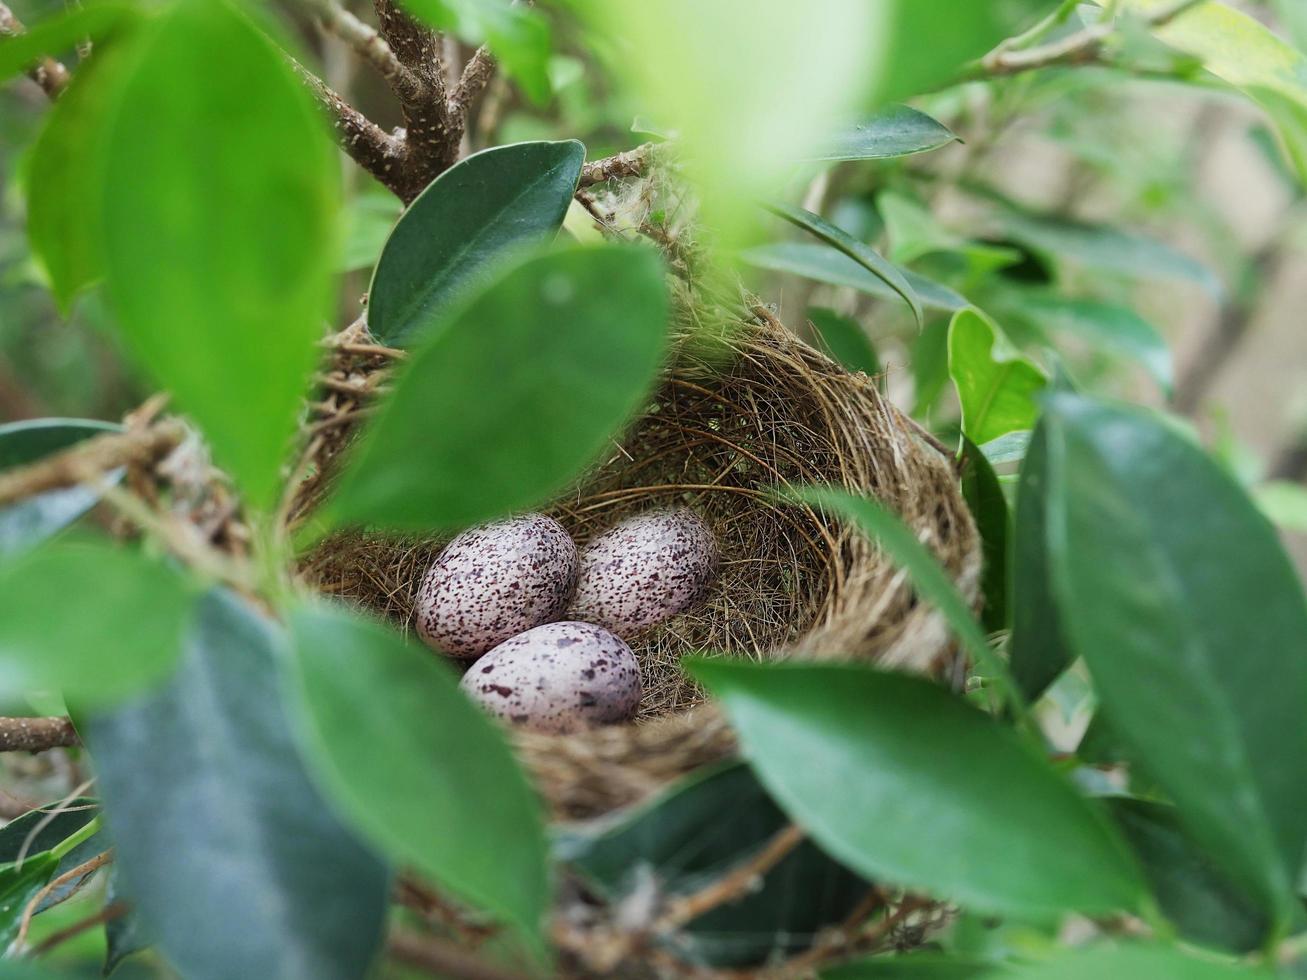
(477, 73)
(628, 163)
(51, 75)
(370, 46)
(37, 734)
(367, 144)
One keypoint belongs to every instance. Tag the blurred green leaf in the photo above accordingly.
(1132, 962)
(94, 621)
(29, 521)
(60, 32)
(689, 836)
(370, 217)
(1158, 556)
(415, 765)
(1010, 448)
(1037, 650)
(473, 430)
(910, 966)
(220, 197)
(996, 385)
(825, 264)
(914, 232)
(467, 220)
(984, 497)
(923, 811)
(847, 342)
(1294, 16)
(896, 131)
(1202, 902)
(124, 935)
(864, 255)
(1284, 503)
(228, 854)
(517, 36)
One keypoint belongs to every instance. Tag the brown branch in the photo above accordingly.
(444, 959)
(629, 163)
(37, 734)
(478, 71)
(110, 913)
(367, 144)
(96, 455)
(370, 46)
(51, 75)
(77, 873)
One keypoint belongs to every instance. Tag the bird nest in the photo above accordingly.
(732, 423)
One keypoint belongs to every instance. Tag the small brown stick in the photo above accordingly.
(377, 350)
(628, 163)
(96, 455)
(737, 883)
(478, 71)
(444, 959)
(81, 871)
(110, 913)
(51, 75)
(36, 734)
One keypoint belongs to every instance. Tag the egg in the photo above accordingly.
(557, 678)
(645, 570)
(493, 582)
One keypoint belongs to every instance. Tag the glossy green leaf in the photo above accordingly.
(466, 221)
(928, 577)
(697, 831)
(59, 33)
(1201, 901)
(997, 387)
(403, 752)
(517, 36)
(25, 523)
(984, 497)
(906, 789)
(19, 884)
(847, 342)
(96, 622)
(475, 430)
(1105, 326)
(219, 205)
(864, 255)
(896, 131)
(61, 825)
(825, 264)
(1132, 962)
(1037, 649)
(910, 966)
(1158, 556)
(229, 855)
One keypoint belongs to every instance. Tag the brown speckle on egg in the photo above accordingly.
(558, 678)
(494, 581)
(645, 570)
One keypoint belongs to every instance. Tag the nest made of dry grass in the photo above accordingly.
(732, 422)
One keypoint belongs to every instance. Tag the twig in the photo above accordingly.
(51, 75)
(367, 144)
(629, 163)
(478, 71)
(370, 46)
(36, 734)
(733, 885)
(110, 913)
(81, 871)
(444, 959)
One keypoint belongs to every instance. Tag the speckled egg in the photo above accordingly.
(558, 678)
(493, 582)
(645, 570)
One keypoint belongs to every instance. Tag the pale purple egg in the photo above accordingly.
(645, 570)
(493, 582)
(558, 678)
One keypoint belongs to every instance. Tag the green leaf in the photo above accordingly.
(219, 201)
(369, 219)
(928, 577)
(915, 233)
(1106, 326)
(864, 255)
(18, 886)
(1133, 962)
(996, 385)
(517, 36)
(468, 219)
(1037, 650)
(1282, 502)
(1202, 902)
(847, 342)
(61, 32)
(825, 264)
(62, 825)
(416, 766)
(984, 496)
(229, 855)
(473, 430)
(910, 966)
(1010, 448)
(905, 789)
(896, 131)
(98, 623)
(1158, 557)
(124, 935)
(36, 518)
(697, 831)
